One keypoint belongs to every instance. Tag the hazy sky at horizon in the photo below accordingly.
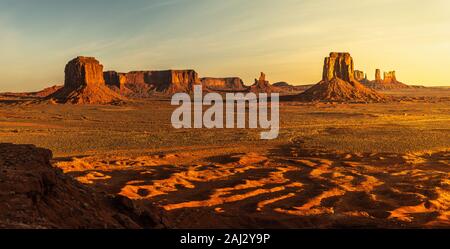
(286, 39)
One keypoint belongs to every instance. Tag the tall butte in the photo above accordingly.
(84, 84)
(338, 83)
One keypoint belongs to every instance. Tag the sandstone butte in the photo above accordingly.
(389, 81)
(261, 85)
(360, 76)
(37, 195)
(84, 84)
(338, 83)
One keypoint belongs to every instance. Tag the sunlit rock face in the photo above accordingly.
(229, 83)
(359, 75)
(389, 77)
(84, 84)
(378, 75)
(389, 81)
(339, 83)
(143, 83)
(83, 71)
(338, 65)
(172, 81)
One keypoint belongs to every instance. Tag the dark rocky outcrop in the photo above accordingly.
(115, 79)
(34, 194)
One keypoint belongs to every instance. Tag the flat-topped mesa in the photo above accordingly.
(229, 83)
(389, 77)
(173, 81)
(338, 65)
(83, 71)
(145, 83)
(136, 77)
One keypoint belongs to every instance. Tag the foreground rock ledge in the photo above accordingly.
(33, 194)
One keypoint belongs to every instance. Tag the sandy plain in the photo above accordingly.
(380, 165)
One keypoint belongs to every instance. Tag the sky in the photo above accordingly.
(286, 39)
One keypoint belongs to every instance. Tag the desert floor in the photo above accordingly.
(333, 165)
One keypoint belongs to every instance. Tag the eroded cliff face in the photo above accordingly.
(144, 83)
(230, 83)
(115, 79)
(173, 81)
(338, 65)
(136, 77)
(83, 71)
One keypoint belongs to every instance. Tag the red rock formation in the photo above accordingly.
(223, 84)
(339, 83)
(378, 75)
(34, 194)
(389, 82)
(359, 75)
(136, 77)
(173, 81)
(145, 83)
(389, 77)
(83, 71)
(262, 85)
(338, 65)
(84, 84)
(115, 79)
